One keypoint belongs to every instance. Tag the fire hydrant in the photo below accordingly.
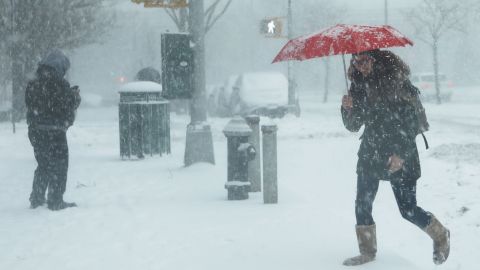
(240, 152)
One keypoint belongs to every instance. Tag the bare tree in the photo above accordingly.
(31, 27)
(433, 19)
(318, 14)
(181, 18)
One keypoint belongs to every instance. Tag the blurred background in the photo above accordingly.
(130, 40)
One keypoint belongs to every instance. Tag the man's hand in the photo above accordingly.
(395, 163)
(347, 102)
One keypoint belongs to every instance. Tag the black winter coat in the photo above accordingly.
(390, 128)
(50, 101)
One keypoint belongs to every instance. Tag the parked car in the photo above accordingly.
(262, 93)
(219, 97)
(426, 84)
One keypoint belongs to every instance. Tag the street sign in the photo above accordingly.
(162, 3)
(272, 27)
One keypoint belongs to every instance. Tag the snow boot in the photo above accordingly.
(441, 240)
(36, 202)
(60, 205)
(367, 244)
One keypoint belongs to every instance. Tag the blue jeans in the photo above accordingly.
(405, 191)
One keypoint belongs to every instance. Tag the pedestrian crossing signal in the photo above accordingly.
(272, 27)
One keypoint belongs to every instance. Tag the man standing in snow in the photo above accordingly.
(51, 105)
(381, 99)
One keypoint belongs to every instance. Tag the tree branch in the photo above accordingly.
(210, 11)
(209, 26)
(173, 15)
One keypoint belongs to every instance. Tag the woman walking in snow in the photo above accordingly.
(382, 99)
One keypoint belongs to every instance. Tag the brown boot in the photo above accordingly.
(367, 244)
(441, 240)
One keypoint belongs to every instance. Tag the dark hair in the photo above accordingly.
(389, 70)
(386, 64)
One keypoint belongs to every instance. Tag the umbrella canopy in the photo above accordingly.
(342, 39)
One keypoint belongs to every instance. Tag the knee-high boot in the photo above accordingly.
(367, 244)
(441, 240)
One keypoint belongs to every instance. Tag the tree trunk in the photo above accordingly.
(18, 86)
(435, 70)
(16, 70)
(327, 79)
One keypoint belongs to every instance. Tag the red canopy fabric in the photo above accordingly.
(342, 39)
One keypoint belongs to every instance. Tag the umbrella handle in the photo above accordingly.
(345, 72)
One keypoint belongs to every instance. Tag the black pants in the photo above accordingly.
(405, 191)
(51, 152)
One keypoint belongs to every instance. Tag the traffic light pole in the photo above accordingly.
(291, 78)
(386, 12)
(199, 144)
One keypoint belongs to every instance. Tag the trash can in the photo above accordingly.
(144, 120)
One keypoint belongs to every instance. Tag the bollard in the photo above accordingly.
(254, 170)
(240, 152)
(269, 144)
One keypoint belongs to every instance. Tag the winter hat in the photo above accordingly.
(57, 60)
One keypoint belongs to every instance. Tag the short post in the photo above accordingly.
(269, 143)
(240, 152)
(254, 170)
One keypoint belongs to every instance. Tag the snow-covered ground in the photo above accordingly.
(156, 214)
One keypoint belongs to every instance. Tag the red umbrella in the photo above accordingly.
(342, 39)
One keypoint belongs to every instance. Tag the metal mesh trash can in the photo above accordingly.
(144, 120)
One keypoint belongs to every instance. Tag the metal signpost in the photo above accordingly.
(273, 27)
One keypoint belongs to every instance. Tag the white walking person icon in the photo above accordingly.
(271, 27)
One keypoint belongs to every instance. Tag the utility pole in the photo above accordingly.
(291, 78)
(199, 143)
(386, 12)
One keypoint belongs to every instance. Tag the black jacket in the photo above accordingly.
(50, 101)
(390, 128)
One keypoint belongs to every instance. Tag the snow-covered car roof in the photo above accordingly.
(263, 88)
